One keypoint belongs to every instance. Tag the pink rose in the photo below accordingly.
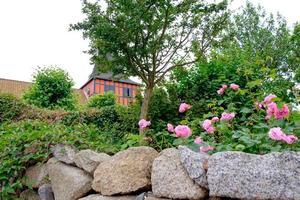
(184, 107)
(290, 139)
(282, 113)
(268, 99)
(271, 110)
(170, 128)
(207, 126)
(221, 91)
(276, 134)
(234, 86)
(198, 140)
(144, 124)
(206, 149)
(224, 86)
(183, 131)
(227, 116)
(215, 119)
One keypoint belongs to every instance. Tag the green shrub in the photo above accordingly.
(52, 89)
(10, 107)
(102, 100)
(27, 142)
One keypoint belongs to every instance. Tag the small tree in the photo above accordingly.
(51, 88)
(150, 38)
(102, 100)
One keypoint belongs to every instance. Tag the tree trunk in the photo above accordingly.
(144, 112)
(146, 101)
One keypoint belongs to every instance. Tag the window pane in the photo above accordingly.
(127, 92)
(109, 88)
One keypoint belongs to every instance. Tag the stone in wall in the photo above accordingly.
(68, 182)
(126, 172)
(195, 164)
(248, 176)
(89, 160)
(170, 180)
(64, 153)
(36, 175)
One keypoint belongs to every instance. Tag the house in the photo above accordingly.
(18, 88)
(99, 83)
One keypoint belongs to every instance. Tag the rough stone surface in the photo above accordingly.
(68, 182)
(89, 160)
(29, 195)
(247, 176)
(36, 175)
(170, 180)
(194, 163)
(64, 153)
(45, 192)
(100, 197)
(150, 196)
(126, 172)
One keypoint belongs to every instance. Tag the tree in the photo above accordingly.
(148, 38)
(51, 88)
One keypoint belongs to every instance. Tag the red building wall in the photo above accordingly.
(97, 86)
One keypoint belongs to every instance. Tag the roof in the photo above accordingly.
(109, 76)
(18, 88)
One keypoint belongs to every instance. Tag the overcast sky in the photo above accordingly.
(35, 33)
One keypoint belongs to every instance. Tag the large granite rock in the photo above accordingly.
(45, 192)
(170, 180)
(247, 176)
(100, 197)
(64, 153)
(126, 172)
(195, 164)
(89, 160)
(36, 175)
(68, 182)
(29, 195)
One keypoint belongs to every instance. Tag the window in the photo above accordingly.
(127, 92)
(108, 88)
(88, 92)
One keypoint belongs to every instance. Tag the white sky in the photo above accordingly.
(35, 33)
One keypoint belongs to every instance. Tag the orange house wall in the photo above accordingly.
(99, 89)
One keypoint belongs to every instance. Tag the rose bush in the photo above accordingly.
(255, 125)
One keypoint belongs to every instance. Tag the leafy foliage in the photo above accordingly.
(102, 100)
(52, 88)
(10, 107)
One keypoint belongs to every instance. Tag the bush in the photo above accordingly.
(10, 107)
(52, 89)
(102, 100)
(24, 143)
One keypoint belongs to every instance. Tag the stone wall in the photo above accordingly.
(141, 173)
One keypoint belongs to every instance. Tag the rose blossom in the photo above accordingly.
(259, 105)
(184, 107)
(215, 119)
(143, 123)
(170, 128)
(224, 86)
(282, 113)
(198, 140)
(276, 134)
(227, 116)
(234, 86)
(271, 110)
(207, 126)
(290, 139)
(182, 131)
(206, 149)
(268, 99)
(221, 91)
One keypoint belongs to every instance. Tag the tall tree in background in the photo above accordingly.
(148, 38)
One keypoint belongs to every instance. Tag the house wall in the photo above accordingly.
(118, 89)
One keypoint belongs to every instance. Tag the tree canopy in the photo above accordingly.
(148, 38)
